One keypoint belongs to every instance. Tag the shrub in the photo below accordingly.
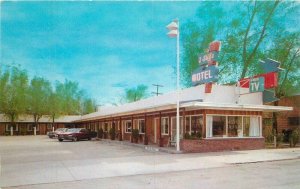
(187, 136)
(294, 138)
(135, 135)
(112, 133)
(100, 133)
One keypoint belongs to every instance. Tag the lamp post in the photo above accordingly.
(173, 28)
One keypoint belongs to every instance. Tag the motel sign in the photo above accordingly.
(206, 75)
(257, 84)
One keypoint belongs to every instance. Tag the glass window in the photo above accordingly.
(128, 126)
(187, 124)
(105, 127)
(142, 126)
(219, 126)
(235, 126)
(254, 130)
(196, 125)
(15, 127)
(246, 122)
(165, 126)
(30, 127)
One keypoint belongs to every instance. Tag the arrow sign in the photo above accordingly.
(270, 65)
(269, 96)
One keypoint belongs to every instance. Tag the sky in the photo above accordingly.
(104, 46)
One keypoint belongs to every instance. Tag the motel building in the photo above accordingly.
(225, 119)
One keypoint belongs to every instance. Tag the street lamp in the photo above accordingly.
(173, 28)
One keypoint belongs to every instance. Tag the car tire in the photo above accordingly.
(89, 138)
(60, 139)
(75, 139)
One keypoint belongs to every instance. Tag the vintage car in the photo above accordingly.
(76, 134)
(58, 131)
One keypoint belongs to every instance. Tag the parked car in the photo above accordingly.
(76, 134)
(58, 131)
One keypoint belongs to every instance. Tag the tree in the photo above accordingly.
(54, 106)
(14, 87)
(246, 34)
(136, 93)
(38, 96)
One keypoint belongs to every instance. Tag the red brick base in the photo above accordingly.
(214, 145)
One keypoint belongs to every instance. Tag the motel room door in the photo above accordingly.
(155, 126)
(173, 128)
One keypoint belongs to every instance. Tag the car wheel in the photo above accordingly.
(60, 139)
(75, 139)
(89, 138)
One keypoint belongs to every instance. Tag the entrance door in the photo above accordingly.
(173, 127)
(156, 123)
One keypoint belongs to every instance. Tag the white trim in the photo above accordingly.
(163, 133)
(125, 125)
(138, 120)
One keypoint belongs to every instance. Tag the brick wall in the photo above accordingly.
(214, 145)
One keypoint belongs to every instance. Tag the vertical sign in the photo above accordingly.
(257, 84)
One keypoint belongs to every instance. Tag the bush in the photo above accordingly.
(135, 135)
(112, 133)
(100, 133)
(294, 138)
(187, 136)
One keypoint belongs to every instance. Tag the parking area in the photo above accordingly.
(40, 162)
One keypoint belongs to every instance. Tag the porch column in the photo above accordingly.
(131, 139)
(121, 131)
(183, 122)
(146, 136)
(160, 144)
(204, 125)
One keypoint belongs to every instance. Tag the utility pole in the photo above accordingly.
(157, 86)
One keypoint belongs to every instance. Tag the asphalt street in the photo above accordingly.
(39, 162)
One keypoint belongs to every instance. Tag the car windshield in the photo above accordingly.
(60, 129)
(73, 130)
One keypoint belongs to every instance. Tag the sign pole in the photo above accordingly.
(177, 111)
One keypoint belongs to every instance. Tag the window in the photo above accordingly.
(165, 126)
(141, 126)
(235, 127)
(128, 126)
(31, 126)
(15, 127)
(219, 126)
(196, 124)
(187, 124)
(294, 121)
(105, 127)
(49, 126)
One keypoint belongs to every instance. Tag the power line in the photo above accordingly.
(157, 87)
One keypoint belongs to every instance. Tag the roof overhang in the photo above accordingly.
(244, 107)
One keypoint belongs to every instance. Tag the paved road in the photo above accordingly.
(39, 162)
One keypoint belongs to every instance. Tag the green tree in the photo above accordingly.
(136, 93)
(54, 106)
(38, 96)
(14, 88)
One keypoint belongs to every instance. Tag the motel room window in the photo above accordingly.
(105, 127)
(218, 126)
(128, 126)
(294, 121)
(165, 126)
(8, 126)
(141, 126)
(30, 127)
(188, 124)
(49, 126)
(235, 126)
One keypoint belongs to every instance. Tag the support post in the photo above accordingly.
(11, 131)
(121, 131)
(34, 130)
(160, 143)
(146, 136)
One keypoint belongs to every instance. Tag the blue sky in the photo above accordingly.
(104, 46)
